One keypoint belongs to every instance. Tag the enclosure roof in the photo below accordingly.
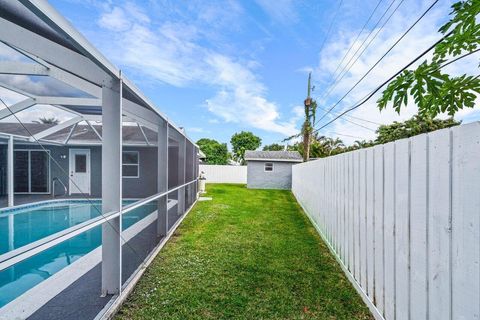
(81, 134)
(288, 156)
(55, 49)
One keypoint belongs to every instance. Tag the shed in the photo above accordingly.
(270, 169)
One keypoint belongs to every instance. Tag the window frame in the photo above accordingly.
(49, 176)
(265, 167)
(132, 164)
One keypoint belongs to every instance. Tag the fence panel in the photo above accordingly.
(403, 219)
(465, 223)
(439, 225)
(224, 174)
(389, 231)
(402, 233)
(379, 229)
(370, 179)
(418, 227)
(362, 216)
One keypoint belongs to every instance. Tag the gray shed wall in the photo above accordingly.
(279, 178)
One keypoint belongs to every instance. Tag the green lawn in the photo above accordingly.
(247, 254)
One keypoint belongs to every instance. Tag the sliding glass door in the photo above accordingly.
(31, 171)
(21, 171)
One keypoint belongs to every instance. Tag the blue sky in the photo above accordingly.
(219, 67)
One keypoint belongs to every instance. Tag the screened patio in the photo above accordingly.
(87, 200)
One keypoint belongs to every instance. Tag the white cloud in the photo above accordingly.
(10, 97)
(115, 20)
(419, 39)
(242, 98)
(32, 113)
(7, 53)
(196, 130)
(282, 11)
(40, 111)
(174, 53)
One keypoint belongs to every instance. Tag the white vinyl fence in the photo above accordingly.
(403, 219)
(224, 174)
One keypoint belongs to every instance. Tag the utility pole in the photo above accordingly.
(307, 127)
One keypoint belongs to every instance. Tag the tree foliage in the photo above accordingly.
(241, 142)
(322, 146)
(412, 127)
(273, 147)
(45, 120)
(215, 152)
(434, 91)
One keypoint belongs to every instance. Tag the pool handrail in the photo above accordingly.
(56, 179)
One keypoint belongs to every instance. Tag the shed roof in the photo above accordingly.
(287, 156)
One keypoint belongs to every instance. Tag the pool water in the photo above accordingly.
(21, 227)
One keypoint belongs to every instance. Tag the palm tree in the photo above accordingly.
(45, 120)
(333, 145)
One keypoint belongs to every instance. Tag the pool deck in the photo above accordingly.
(81, 298)
(31, 198)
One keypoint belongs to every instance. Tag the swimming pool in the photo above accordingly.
(25, 225)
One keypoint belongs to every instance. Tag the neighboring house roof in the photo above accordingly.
(82, 134)
(287, 156)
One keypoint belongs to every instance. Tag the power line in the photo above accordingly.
(355, 123)
(346, 135)
(343, 72)
(367, 97)
(331, 25)
(358, 36)
(381, 58)
(325, 40)
(362, 119)
(353, 117)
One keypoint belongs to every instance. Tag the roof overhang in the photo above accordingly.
(273, 160)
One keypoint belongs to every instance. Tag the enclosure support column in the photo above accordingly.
(181, 174)
(112, 187)
(194, 176)
(195, 173)
(162, 217)
(10, 175)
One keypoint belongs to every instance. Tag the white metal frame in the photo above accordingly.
(13, 257)
(72, 60)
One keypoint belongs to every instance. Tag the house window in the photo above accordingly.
(268, 166)
(130, 164)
